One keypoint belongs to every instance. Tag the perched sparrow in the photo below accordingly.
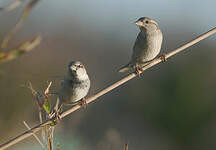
(75, 85)
(147, 45)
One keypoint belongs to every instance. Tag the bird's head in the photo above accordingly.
(148, 24)
(77, 69)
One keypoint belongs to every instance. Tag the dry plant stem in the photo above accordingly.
(11, 33)
(34, 135)
(20, 50)
(25, 14)
(106, 90)
(50, 137)
(42, 130)
(13, 5)
(126, 147)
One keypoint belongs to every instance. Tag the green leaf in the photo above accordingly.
(53, 123)
(16, 53)
(47, 107)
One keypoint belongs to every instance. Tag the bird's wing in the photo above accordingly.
(137, 49)
(139, 46)
(65, 91)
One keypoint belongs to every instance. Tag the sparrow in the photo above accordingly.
(147, 45)
(74, 86)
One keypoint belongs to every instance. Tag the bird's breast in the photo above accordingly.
(147, 47)
(80, 90)
(154, 43)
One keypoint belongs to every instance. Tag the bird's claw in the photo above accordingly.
(58, 117)
(83, 102)
(55, 115)
(138, 71)
(163, 57)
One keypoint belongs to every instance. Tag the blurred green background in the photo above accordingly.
(171, 107)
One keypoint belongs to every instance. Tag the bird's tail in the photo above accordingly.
(125, 68)
(129, 66)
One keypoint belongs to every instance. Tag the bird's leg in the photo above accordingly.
(163, 57)
(138, 70)
(57, 116)
(83, 102)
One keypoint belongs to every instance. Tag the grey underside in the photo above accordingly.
(146, 48)
(72, 91)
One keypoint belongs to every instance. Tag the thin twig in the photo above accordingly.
(25, 14)
(50, 129)
(47, 91)
(23, 48)
(50, 137)
(43, 134)
(126, 147)
(104, 91)
(34, 135)
(12, 6)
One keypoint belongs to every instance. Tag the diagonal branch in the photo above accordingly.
(104, 91)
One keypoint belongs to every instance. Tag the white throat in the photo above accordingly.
(82, 74)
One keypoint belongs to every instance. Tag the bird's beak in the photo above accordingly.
(74, 68)
(139, 23)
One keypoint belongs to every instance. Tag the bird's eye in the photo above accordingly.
(146, 21)
(81, 66)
